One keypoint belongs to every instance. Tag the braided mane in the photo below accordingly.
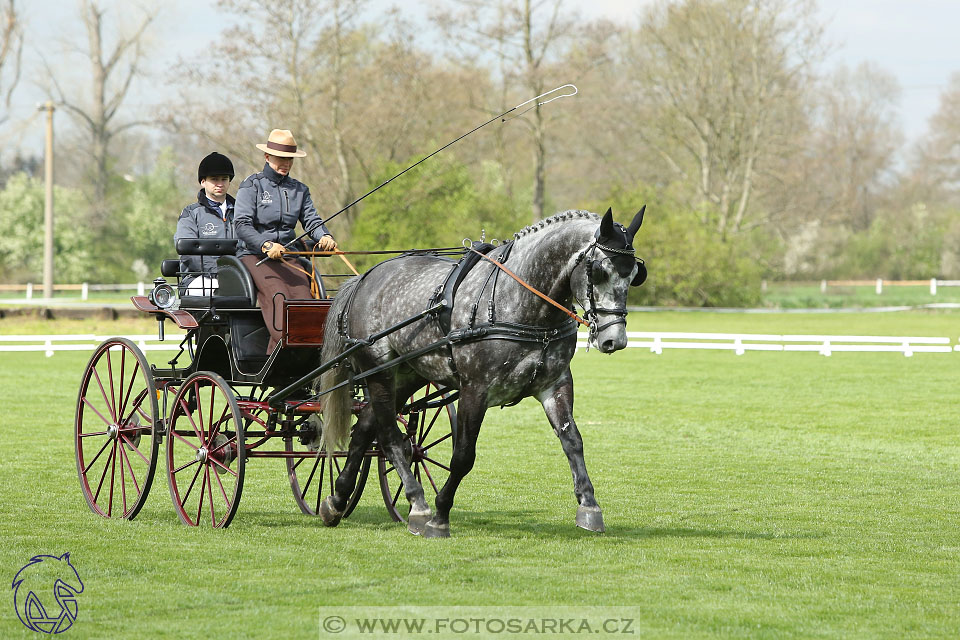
(559, 217)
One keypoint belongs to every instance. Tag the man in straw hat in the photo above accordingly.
(268, 207)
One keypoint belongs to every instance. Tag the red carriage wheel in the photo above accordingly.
(430, 433)
(115, 430)
(205, 451)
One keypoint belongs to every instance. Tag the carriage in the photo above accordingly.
(221, 402)
(405, 340)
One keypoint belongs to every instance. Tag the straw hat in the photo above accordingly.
(281, 143)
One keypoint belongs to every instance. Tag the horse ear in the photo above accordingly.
(606, 224)
(635, 225)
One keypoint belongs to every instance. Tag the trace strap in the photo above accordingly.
(550, 300)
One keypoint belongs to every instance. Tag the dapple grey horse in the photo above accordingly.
(503, 344)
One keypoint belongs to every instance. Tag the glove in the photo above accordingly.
(274, 250)
(326, 243)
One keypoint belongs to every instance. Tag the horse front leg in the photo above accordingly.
(558, 405)
(470, 411)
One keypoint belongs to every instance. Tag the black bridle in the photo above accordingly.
(591, 310)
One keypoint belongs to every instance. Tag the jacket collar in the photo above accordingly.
(208, 204)
(272, 175)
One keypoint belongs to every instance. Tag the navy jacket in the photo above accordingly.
(201, 220)
(269, 206)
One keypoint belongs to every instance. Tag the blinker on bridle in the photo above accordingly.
(593, 310)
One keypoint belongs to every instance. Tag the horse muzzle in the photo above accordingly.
(611, 336)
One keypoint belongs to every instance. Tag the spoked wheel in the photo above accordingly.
(312, 477)
(115, 430)
(205, 451)
(431, 435)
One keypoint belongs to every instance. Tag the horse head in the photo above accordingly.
(604, 274)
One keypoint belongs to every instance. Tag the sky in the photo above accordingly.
(915, 40)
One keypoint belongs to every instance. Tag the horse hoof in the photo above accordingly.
(328, 513)
(417, 522)
(436, 530)
(590, 518)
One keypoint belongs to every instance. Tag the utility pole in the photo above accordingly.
(48, 205)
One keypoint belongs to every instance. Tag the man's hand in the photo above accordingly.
(274, 250)
(326, 243)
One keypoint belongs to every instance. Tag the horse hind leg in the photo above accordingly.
(333, 506)
(395, 447)
(558, 405)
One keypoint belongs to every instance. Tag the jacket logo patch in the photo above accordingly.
(208, 229)
(265, 198)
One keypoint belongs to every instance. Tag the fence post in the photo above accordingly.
(140, 289)
(29, 290)
(933, 286)
(84, 291)
(823, 286)
(879, 286)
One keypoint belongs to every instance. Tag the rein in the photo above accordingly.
(547, 298)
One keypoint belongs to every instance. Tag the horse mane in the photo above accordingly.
(563, 216)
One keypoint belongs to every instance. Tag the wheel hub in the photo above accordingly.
(221, 452)
(416, 453)
(202, 455)
(113, 431)
(133, 438)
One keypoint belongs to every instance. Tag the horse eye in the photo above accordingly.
(599, 274)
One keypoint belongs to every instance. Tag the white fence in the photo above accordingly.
(30, 289)
(84, 342)
(741, 343)
(84, 288)
(656, 342)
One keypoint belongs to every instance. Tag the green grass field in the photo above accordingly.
(764, 495)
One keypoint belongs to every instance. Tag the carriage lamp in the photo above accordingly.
(163, 295)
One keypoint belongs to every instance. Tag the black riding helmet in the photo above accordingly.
(215, 164)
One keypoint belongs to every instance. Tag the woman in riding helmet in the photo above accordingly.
(211, 216)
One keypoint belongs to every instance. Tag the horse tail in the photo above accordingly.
(337, 406)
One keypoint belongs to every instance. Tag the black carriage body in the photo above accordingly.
(227, 334)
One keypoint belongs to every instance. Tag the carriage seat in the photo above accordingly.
(236, 289)
(235, 281)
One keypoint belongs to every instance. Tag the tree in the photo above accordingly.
(112, 71)
(435, 208)
(355, 96)
(530, 33)
(11, 50)
(21, 244)
(857, 135)
(717, 91)
(936, 162)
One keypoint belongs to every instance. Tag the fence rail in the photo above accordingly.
(84, 288)
(741, 343)
(84, 342)
(656, 342)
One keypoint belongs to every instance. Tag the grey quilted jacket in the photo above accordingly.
(200, 220)
(268, 208)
